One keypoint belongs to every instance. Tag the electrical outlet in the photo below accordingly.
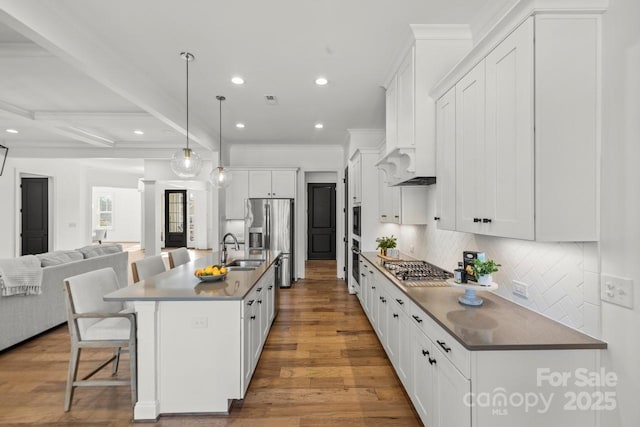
(199, 322)
(617, 290)
(520, 289)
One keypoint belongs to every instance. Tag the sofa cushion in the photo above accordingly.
(59, 257)
(92, 251)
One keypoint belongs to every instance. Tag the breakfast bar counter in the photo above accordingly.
(199, 342)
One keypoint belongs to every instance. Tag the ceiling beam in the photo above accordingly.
(52, 28)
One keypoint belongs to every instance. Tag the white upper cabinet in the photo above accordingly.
(391, 115)
(356, 179)
(405, 103)
(401, 205)
(470, 149)
(236, 194)
(526, 130)
(279, 184)
(446, 161)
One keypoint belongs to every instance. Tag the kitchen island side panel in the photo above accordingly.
(199, 352)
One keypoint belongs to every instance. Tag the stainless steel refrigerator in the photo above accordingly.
(268, 225)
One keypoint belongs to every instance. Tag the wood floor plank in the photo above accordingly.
(321, 365)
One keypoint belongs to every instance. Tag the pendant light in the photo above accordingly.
(186, 163)
(219, 177)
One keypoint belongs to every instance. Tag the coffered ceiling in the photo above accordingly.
(77, 77)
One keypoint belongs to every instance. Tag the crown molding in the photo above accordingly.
(509, 22)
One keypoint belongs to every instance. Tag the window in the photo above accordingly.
(105, 211)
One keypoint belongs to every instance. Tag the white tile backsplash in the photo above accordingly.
(562, 277)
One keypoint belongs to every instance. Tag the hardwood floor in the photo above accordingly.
(322, 365)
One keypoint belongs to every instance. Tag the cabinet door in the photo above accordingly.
(451, 388)
(259, 184)
(424, 378)
(385, 199)
(271, 294)
(236, 194)
(256, 333)
(356, 179)
(446, 161)
(470, 120)
(283, 184)
(247, 353)
(393, 332)
(406, 96)
(404, 365)
(391, 105)
(381, 316)
(509, 136)
(373, 302)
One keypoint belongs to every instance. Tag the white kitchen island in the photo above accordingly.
(199, 342)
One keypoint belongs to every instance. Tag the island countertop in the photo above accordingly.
(498, 324)
(180, 284)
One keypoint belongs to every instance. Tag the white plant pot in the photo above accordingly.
(485, 280)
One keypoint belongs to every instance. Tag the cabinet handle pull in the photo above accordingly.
(253, 317)
(395, 315)
(436, 218)
(373, 287)
(259, 301)
(383, 216)
(380, 298)
(432, 361)
(486, 220)
(362, 274)
(419, 320)
(476, 220)
(370, 271)
(250, 302)
(396, 216)
(400, 301)
(425, 352)
(259, 289)
(270, 287)
(384, 300)
(444, 346)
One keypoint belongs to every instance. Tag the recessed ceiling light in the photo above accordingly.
(237, 80)
(321, 81)
(12, 131)
(319, 125)
(138, 132)
(240, 125)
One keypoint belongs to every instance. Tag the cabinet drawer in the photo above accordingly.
(399, 298)
(421, 319)
(452, 349)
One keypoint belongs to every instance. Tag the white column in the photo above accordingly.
(147, 407)
(150, 238)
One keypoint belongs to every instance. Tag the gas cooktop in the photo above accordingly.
(417, 273)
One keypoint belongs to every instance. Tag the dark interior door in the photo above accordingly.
(175, 218)
(35, 215)
(345, 239)
(321, 222)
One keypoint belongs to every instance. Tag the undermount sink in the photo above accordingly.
(245, 263)
(238, 268)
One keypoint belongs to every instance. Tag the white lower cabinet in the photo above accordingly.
(257, 317)
(449, 385)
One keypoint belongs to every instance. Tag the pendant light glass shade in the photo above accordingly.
(185, 162)
(219, 177)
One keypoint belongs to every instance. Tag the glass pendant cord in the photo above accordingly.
(220, 98)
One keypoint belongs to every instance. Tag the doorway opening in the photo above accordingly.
(321, 221)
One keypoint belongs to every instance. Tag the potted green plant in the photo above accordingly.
(385, 243)
(482, 271)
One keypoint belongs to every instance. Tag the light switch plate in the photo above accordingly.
(617, 290)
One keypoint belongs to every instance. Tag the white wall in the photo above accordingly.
(308, 158)
(620, 207)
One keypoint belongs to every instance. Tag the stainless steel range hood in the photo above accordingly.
(402, 168)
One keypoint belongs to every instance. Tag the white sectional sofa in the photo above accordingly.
(22, 317)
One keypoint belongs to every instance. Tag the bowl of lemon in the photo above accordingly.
(211, 273)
